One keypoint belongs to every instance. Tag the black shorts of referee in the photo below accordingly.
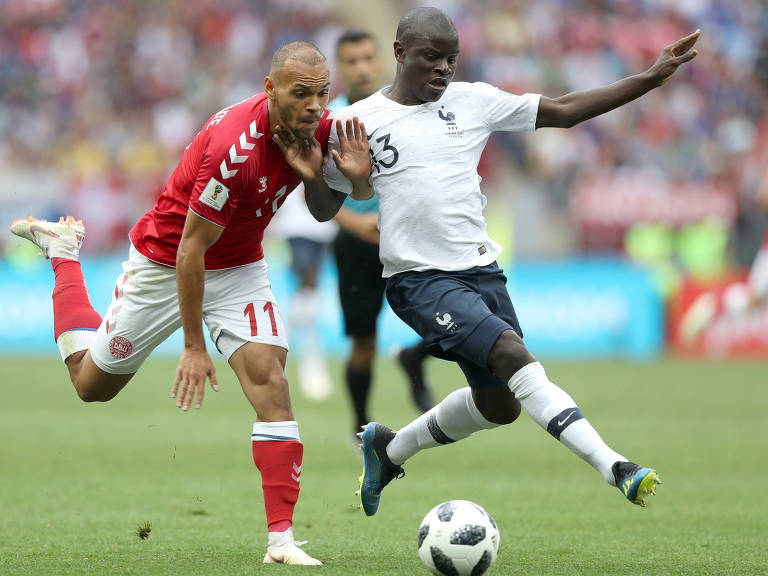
(361, 287)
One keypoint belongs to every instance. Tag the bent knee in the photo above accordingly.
(95, 394)
(498, 407)
(503, 414)
(508, 355)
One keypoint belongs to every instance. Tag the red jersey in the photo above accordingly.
(232, 174)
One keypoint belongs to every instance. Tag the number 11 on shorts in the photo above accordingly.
(250, 311)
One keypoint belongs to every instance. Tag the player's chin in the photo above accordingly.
(433, 92)
(305, 130)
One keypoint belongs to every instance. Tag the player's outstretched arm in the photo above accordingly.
(569, 110)
(195, 365)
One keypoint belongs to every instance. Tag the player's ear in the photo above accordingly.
(269, 87)
(399, 51)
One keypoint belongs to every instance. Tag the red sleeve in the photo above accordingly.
(219, 178)
(324, 130)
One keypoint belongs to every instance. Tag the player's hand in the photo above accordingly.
(673, 56)
(195, 367)
(353, 158)
(303, 155)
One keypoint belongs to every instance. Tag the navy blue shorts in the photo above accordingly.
(459, 314)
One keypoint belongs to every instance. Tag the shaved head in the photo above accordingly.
(297, 87)
(424, 21)
(303, 52)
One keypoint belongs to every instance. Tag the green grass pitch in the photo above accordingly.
(77, 481)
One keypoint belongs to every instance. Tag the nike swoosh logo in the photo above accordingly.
(564, 420)
(35, 229)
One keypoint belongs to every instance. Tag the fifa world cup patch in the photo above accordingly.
(215, 194)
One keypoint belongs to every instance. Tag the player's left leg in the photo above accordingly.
(245, 323)
(555, 411)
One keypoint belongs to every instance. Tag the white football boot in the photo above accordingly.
(282, 548)
(61, 239)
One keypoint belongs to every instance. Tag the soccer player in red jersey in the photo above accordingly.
(197, 257)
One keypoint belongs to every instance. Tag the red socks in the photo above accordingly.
(72, 307)
(277, 453)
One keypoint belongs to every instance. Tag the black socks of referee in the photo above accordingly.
(359, 385)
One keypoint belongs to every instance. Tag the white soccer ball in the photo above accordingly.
(458, 538)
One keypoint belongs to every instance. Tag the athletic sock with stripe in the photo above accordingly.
(454, 418)
(277, 453)
(555, 411)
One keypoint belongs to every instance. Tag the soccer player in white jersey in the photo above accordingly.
(356, 250)
(197, 257)
(426, 136)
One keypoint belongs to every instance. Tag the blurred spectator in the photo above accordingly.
(98, 98)
(703, 137)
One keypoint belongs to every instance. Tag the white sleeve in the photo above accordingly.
(504, 111)
(332, 176)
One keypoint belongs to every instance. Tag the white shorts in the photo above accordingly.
(238, 307)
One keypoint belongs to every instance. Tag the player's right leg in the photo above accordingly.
(75, 320)
(443, 310)
(276, 445)
(245, 323)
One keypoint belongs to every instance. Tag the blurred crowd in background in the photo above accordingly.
(98, 99)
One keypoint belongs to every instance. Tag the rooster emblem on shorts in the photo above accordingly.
(446, 320)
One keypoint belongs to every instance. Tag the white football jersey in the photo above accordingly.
(424, 171)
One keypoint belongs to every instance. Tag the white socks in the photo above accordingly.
(555, 411)
(454, 418)
(457, 417)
